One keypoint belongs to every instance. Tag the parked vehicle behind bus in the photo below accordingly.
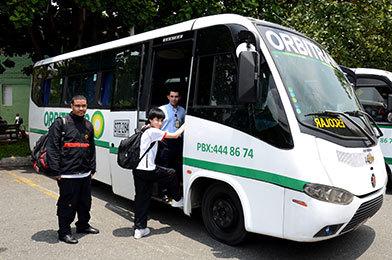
(275, 143)
(374, 90)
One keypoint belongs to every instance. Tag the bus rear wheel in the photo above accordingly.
(222, 214)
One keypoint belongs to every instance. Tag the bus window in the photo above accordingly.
(56, 91)
(217, 80)
(106, 89)
(89, 85)
(74, 88)
(216, 86)
(46, 92)
(37, 85)
(373, 103)
(126, 78)
(373, 95)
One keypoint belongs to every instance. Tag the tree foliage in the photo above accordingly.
(356, 33)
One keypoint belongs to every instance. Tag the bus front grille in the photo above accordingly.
(365, 211)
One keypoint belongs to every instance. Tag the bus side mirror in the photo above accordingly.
(248, 77)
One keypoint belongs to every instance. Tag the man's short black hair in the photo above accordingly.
(78, 97)
(156, 112)
(173, 88)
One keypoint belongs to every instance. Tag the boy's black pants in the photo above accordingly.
(144, 181)
(75, 197)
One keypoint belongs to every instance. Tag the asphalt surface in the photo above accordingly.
(28, 226)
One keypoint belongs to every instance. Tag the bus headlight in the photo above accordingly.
(328, 194)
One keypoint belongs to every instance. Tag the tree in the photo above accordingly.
(355, 33)
(45, 28)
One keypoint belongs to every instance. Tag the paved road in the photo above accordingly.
(28, 227)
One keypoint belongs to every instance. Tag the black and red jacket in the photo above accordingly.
(71, 147)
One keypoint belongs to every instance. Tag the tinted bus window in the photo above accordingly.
(39, 76)
(106, 89)
(126, 78)
(216, 87)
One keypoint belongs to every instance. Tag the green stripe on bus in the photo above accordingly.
(385, 126)
(103, 144)
(388, 160)
(248, 173)
(113, 150)
(38, 131)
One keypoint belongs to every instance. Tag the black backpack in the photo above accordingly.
(38, 155)
(128, 155)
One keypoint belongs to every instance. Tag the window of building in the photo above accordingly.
(7, 95)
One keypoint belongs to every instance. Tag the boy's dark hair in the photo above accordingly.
(78, 97)
(156, 112)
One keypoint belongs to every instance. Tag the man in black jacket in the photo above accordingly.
(71, 160)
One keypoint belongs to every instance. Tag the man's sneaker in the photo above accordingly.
(139, 233)
(177, 204)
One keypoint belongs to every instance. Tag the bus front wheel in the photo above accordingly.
(222, 214)
(389, 173)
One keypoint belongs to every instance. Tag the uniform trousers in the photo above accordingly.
(75, 197)
(144, 181)
(170, 155)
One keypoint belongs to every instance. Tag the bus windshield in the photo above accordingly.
(314, 84)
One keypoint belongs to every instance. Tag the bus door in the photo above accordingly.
(170, 68)
(128, 69)
(375, 94)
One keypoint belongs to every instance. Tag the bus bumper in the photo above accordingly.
(320, 220)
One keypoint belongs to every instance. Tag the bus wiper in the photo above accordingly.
(345, 115)
(324, 113)
(358, 113)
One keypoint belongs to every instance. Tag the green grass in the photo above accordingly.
(18, 148)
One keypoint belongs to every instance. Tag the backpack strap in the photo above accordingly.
(149, 148)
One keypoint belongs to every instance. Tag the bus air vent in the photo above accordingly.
(365, 211)
(352, 159)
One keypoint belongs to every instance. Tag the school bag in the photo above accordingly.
(128, 155)
(38, 155)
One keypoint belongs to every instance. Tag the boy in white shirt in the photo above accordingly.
(146, 173)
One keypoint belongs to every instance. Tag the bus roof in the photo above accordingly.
(169, 30)
(368, 71)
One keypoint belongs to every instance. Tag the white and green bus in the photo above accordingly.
(275, 143)
(374, 90)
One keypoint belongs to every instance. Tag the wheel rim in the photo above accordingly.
(223, 214)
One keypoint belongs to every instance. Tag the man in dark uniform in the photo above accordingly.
(71, 160)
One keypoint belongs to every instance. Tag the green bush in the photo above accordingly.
(18, 148)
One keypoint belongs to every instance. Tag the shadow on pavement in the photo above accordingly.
(48, 236)
(349, 246)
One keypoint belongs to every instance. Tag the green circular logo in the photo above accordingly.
(99, 124)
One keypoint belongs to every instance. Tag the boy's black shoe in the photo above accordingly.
(89, 230)
(69, 239)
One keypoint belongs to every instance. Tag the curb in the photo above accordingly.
(15, 161)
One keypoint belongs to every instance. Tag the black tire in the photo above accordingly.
(389, 173)
(222, 214)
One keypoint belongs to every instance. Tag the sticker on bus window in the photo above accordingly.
(322, 122)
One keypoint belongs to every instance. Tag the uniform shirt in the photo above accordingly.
(171, 115)
(149, 136)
